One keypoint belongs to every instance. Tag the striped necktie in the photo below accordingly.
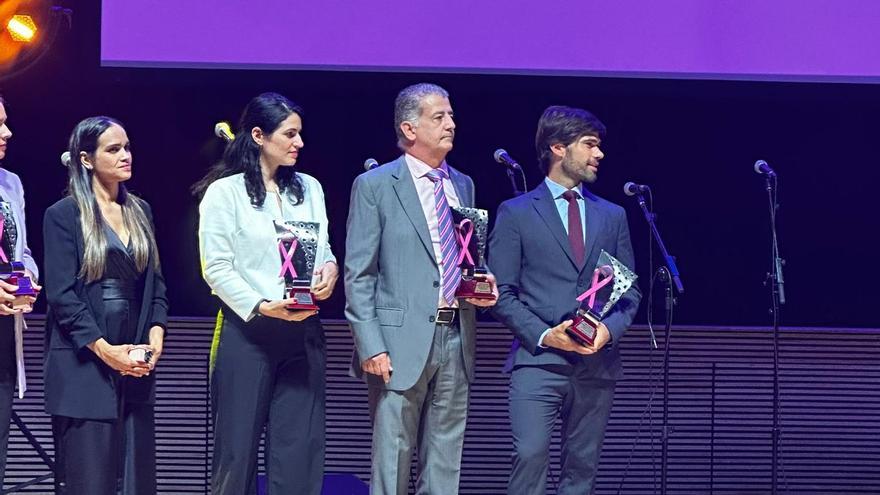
(451, 274)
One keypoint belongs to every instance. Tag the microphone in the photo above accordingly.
(631, 189)
(223, 131)
(370, 164)
(65, 158)
(503, 158)
(761, 167)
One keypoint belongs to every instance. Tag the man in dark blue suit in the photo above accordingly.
(543, 250)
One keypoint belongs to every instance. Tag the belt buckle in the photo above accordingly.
(445, 316)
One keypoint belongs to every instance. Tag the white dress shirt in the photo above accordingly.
(239, 246)
(425, 189)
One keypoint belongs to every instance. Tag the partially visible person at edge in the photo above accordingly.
(13, 243)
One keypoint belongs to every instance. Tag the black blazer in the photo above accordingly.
(77, 383)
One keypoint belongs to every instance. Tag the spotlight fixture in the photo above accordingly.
(22, 28)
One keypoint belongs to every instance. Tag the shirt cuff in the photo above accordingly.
(541, 339)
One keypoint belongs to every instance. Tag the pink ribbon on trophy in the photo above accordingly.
(464, 231)
(607, 273)
(287, 255)
(2, 232)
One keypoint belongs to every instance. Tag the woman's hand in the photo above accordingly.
(278, 309)
(10, 304)
(327, 274)
(116, 357)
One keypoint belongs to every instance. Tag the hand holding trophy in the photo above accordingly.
(611, 280)
(14, 273)
(298, 247)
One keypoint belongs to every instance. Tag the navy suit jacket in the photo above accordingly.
(539, 281)
(78, 384)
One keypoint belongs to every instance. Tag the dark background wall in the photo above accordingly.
(693, 141)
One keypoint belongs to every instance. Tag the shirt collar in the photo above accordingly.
(420, 169)
(557, 190)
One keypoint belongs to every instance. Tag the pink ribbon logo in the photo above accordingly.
(464, 231)
(287, 257)
(2, 253)
(604, 271)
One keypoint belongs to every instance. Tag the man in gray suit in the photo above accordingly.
(543, 250)
(414, 342)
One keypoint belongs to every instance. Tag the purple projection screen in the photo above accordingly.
(837, 40)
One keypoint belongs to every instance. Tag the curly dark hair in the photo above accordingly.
(266, 111)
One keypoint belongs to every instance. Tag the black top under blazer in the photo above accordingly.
(77, 383)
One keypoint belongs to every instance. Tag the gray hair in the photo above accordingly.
(408, 105)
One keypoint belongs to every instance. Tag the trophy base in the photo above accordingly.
(477, 287)
(303, 299)
(24, 284)
(584, 328)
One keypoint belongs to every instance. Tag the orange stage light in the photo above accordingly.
(22, 28)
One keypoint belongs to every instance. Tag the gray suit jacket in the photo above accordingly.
(13, 193)
(392, 281)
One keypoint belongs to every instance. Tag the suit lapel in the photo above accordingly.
(412, 207)
(461, 186)
(546, 207)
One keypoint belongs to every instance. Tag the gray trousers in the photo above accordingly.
(538, 394)
(429, 418)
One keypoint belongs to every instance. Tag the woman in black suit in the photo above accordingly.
(106, 305)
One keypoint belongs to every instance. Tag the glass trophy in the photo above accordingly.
(298, 248)
(611, 280)
(471, 233)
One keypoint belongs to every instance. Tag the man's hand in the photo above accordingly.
(485, 303)
(327, 273)
(380, 365)
(277, 309)
(558, 339)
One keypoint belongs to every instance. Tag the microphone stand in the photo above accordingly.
(777, 293)
(513, 185)
(669, 275)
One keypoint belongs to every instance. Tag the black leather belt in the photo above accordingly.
(446, 316)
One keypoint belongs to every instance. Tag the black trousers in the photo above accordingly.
(95, 457)
(268, 373)
(8, 375)
(106, 457)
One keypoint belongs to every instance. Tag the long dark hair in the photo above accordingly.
(266, 111)
(84, 139)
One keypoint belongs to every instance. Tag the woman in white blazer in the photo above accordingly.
(267, 362)
(13, 241)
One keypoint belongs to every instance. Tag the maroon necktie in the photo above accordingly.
(575, 229)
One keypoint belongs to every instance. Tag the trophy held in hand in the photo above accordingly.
(471, 233)
(611, 280)
(297, 245)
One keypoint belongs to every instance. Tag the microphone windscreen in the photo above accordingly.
(499, 153)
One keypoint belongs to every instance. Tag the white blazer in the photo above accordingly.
(238, 243)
